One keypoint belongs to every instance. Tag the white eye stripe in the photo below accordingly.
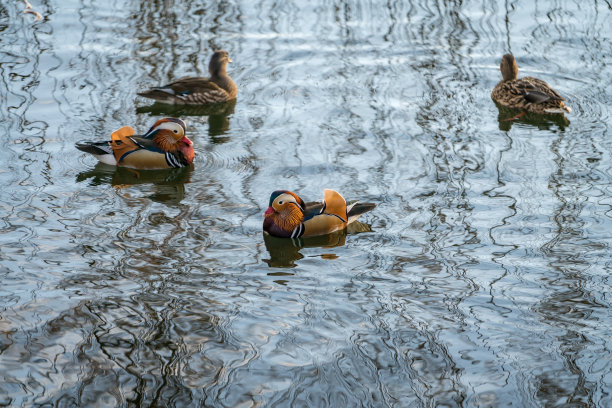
(175, 127)
(288, 199)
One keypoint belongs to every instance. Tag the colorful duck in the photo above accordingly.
(289, 217)
(219, 87)
(527, 93)
(164, 146)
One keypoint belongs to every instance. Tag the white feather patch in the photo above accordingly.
(106, 159)
(559, 110)
(167, 90)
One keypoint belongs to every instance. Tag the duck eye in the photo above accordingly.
(280, 202)
(175, 131)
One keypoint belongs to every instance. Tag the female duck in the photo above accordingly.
(164, 146)
(219, 87)
(288, 216)
(527, 93)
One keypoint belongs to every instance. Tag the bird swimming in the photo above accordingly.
(217, 88)
(528, 94)
(164, 146)
(289, 216)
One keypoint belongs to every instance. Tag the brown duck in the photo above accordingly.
(528, 94)
(217, 88)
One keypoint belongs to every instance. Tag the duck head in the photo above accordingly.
(169, 135)
(508, 67)
(285, 211)
(218, 62)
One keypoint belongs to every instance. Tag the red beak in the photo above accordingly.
(186, 140)
(269, 211)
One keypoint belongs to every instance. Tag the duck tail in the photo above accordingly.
(100, 150)
(356, 208)
(562, 109)
(95, 148)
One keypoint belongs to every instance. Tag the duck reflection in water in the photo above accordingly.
(543, 121)
(284, 252)
(168, 186)
(218, 115)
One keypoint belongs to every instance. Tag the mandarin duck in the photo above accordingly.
(164, 146)
(219, 87)
(288, 216)
(527, 93)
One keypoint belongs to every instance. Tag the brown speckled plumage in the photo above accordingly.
(217, 88)
(527, 93)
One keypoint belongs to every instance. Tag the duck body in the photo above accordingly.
(217, 88)
(527, 93)
(164, 146)
(288, 216)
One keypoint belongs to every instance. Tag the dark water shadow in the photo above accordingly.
(538, 120)
(168, 184)
(284, 252)
(218, 115)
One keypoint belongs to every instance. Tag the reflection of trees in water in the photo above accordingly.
(452, 246)
(163, 344)
(23, 133)
(181, 34)
(158, 326)
(575, 259)
(137, 349)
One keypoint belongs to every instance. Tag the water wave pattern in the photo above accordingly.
(483, 282)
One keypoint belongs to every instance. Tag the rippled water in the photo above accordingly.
(481, 279)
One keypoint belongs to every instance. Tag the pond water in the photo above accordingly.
(482, 278)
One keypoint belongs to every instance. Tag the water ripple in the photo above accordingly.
(480, 279)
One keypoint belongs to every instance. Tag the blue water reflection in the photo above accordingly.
(483, 280)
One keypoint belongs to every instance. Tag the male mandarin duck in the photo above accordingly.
(219, 87)
(289, 217)
(164, 146)
(527, 93)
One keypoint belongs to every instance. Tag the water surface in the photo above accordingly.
(481, 278)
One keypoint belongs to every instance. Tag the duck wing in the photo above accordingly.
(537, 91)
(313, 208)
(539, 97)
(331, 216)
(189, 90)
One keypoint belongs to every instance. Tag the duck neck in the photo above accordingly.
(509, 75)
(221, 78)
(289, 219)
(509, 69)
(217, 70)
(165, 142)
